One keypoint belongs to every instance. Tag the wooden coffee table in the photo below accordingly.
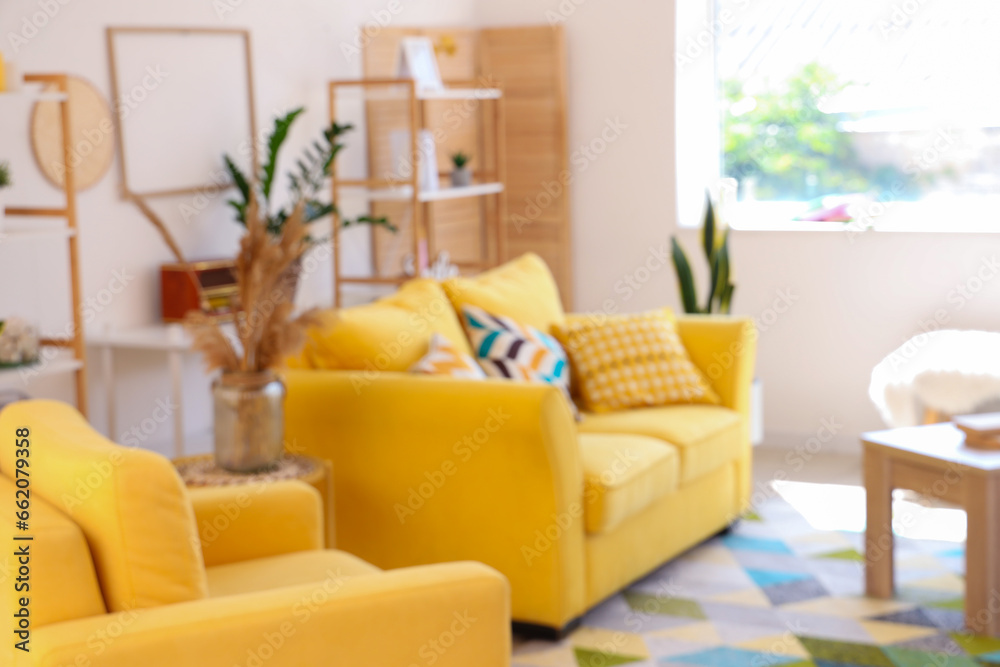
(934, 461)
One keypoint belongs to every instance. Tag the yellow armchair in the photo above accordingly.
(118, 576)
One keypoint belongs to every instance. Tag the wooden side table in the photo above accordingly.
(202, 471)
(934, 461)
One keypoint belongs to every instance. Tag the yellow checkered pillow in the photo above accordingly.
(632, 361)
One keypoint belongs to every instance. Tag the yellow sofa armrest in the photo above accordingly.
(431, 469)
(725, 349)
(451, 615)
(247, 521)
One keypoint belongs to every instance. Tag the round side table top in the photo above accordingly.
(203, 471)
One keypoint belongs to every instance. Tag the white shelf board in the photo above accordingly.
(7, 234)
(55, 366)
(405, 192)
(460, 94)
(34, 92)
(164, 337)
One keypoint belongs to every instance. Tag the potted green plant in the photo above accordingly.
(305, 183)
(5, 183)
(715, 243)
(461, 175)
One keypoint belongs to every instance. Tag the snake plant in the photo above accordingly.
(715, 243)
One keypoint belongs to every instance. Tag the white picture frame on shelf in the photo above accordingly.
(418, 62)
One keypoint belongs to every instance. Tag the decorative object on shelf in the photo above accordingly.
(715, 243)
(18, 343)
(447, 45)
(248, 396)
(418, 62)
(91, 135)
(441, 269)
(215, 294)
(5, 183)
(461, 175)
(402, 160)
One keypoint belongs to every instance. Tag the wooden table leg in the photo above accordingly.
(982, 554)
(878, 533)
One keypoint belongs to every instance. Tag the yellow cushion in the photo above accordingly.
(522, 289)
(63, 582)
(391, 334)
(628, 361)
(623, 475)
(130, 504)
(329, 568)
(706, 436)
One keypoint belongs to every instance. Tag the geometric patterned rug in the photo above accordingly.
(777, 592)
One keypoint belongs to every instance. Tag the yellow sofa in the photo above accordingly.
(126, 567)
(431, 469)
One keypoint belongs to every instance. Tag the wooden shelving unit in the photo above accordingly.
(489, 105)
(77, 365)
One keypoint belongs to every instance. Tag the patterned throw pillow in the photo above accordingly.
(631, 361)
(506, 349)
(443, 358)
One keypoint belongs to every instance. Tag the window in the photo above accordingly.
(860, 113)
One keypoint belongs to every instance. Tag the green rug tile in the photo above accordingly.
(906, 657)
(846, 652)
(844, 554)
(976, 645)
(586, 657)
(958, 604)
(651, 604)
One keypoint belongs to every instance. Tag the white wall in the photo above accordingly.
(853, 298)
(297, 47)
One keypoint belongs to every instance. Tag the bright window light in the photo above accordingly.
(860, 113)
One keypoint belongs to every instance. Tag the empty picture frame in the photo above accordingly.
(183, 97)
(417, 61)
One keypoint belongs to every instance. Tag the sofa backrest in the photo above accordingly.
(130, 504)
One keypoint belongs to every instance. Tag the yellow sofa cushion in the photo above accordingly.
(706, 436)
(329, 569)
(391, 334)
(522, 289)
(628, 361)
(623, 475)
(130, 504)
(63, 582)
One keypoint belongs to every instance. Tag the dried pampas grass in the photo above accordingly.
(264, 327)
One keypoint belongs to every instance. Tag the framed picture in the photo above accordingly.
(418, 62)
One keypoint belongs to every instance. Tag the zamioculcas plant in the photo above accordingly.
(716, 246)
(312, 170)
(5, 179)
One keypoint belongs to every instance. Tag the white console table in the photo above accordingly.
(170, 339)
